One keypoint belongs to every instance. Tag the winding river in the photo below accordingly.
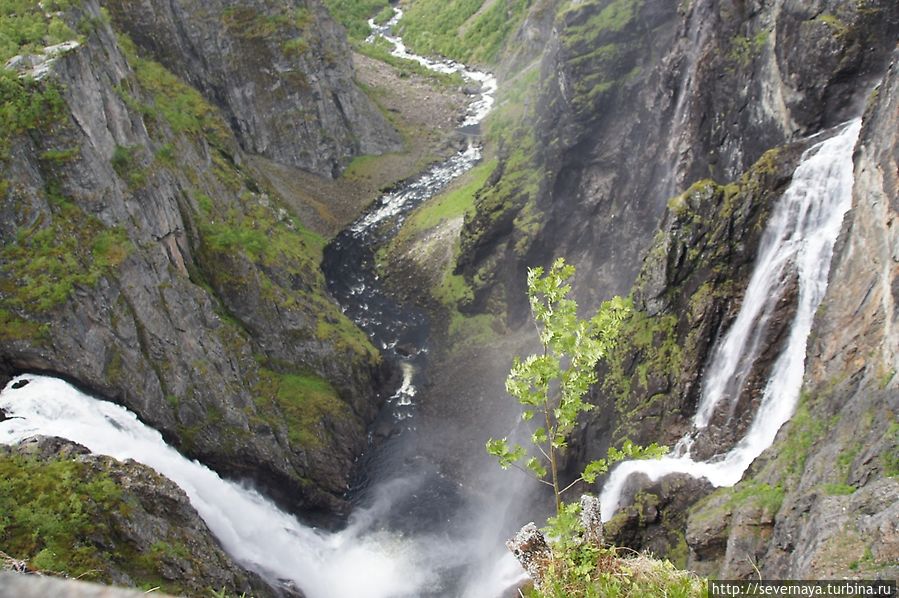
(411, 533)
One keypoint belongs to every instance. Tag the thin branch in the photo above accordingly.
(530, 473)
(540, 448)
(569, 486)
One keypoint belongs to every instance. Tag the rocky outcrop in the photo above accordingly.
(130, 525)
(142, 261)
(834, 467)
(640, 99)
(280, 71)
(687, 294)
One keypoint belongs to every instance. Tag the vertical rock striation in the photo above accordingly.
(143, 262)
(280, 71)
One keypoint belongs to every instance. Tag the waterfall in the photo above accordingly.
(250, 527)
(799, 238)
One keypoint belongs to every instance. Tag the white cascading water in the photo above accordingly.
(800, 235)
(363, 559)
(250, 527)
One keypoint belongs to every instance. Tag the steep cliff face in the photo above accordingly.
(832, 474)
(640, 99)
(69, 512)
(280, 71)
(141, 260)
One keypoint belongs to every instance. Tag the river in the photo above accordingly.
(413, 531)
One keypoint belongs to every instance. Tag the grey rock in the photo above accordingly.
(281, 72)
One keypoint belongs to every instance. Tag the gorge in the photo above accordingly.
(273, 267)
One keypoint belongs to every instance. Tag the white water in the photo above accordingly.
(364, 559)
(799, 239)
(439, 175)
(250, 527)
(478, 109)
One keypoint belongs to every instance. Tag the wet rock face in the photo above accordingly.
(642, 98)
(190, 295)
(281, 72)
(833, 467)
(687, 294)
(158, 515)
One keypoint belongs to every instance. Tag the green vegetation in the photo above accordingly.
(553, 385)
(890, 458)
(173, 102)
(653, 348)
(49, 259)
(603, 573)
(26, 104)
(354, 15)
(462, 29)
(48, 510)
(283, 251)
(744, 49)
(380, 49)
(27, 27)
(453, 203)
(284, 26)
(301, 404)
(62, 517)
(126, 163)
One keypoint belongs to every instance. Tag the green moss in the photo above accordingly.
(890, 457)
(172, 101)
(52, 512)
(46, 261)
(251, 23)
(301, 404)
(652, 349)
(126, 163)
(744, 49)
(838, 489)
(804, 431)
(613, 17)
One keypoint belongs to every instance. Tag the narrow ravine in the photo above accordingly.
(406, 537)
(798, 243)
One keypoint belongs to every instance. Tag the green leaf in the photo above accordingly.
(536, 467)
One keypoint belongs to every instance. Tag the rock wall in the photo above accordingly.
(141, 261)
(639, 99)
(280, 71)
(143, 529)
(834, 471)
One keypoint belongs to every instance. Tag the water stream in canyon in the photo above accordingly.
(798, 243)
(411, 531)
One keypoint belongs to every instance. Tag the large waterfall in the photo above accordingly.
(250, 527)
(798, 243)
(371, 557)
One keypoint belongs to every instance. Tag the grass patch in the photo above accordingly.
(354, 15)
(452, 203)
(48, 510)
(47, 261)
(301, 404)
(172, 101)
(380, 49)
(459, 29)
(601, 573)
